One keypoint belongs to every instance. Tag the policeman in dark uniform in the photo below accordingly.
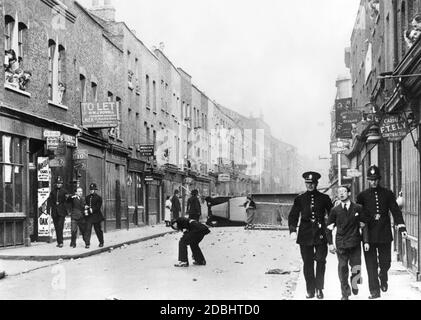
(94, 215)
(377, 202)
(313, 207)
(56, 205)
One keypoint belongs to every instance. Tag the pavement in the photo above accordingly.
(402, 283)
(21, 260)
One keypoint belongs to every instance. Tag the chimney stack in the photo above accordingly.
(103, 9)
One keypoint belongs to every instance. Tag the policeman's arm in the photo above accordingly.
(331, 223)
(294, 216)
(396, 213)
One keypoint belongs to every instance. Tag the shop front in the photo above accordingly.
(34, 151)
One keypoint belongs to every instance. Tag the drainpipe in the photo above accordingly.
(419, 208)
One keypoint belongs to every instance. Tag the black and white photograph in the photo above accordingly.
(210, 151)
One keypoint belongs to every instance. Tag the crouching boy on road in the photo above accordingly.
(348, 218)
(194, 232)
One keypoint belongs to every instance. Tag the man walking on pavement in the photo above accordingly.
(194, 208)
(175, 205)
(377, 202)
(78, 219)
(95, 217)
(56, 204)
(313, 207)
(348, 218)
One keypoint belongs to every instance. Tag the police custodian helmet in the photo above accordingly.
(373, 173)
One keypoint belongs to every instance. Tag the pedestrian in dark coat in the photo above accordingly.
(194, 208)
(250, 206)
(349, 220)
(194, 232)
(56, 204)
(377, 203)
(94, 217)
(176, 206)
(78, 217)
(313, 207)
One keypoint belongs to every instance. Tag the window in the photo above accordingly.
(56, 72)
(148, 93)
(154, 95)
(82, 80)
(8, 32)
(109, 96)
(94, 88)
(21, 39)
(11, 174)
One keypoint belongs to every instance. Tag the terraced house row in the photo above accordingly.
(83, 98)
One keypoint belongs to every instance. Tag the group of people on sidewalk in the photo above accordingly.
(85, 213)
(365, 224)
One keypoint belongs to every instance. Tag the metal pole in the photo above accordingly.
(419, 209)
(339, 170)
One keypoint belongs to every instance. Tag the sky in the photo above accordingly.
(278, 58)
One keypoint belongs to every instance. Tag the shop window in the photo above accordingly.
(148, 92)
(15, 36)
(82, 80)
(11, 174)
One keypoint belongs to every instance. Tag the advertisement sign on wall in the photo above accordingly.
(44, 177)
(100, 115)
(346, 118)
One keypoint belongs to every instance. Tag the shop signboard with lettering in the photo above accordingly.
(346, 118)
(44, 178)
(394, 128)
(226, 177)
(100, 115)
(147, 150)
(338, 147)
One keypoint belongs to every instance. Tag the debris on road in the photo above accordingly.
(278, 271)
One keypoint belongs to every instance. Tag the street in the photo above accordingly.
(237, 262)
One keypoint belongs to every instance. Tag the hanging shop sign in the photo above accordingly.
(53, 143)
(353, 173)
(58, 162)
(80, 158)
(100, 115)
(338, 147)
(52, 134)
(226, 177)
(147, 150)
(394, 128)
(70, 141)
(346, 118)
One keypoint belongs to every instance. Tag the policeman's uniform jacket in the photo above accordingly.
(57, 202)
(377, 203)
(313, 208)
(193, 206)
(348, 223)
(94, 201)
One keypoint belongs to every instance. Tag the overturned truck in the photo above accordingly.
(271, 212)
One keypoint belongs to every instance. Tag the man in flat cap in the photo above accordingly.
(56, 204)
(94, 215)
(313, 207)
(377, 202)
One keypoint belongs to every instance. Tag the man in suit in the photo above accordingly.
(78, 216)
(56, 204)
(313, 207)
(348, 218)
(175, 205)
(377, 202)
(194, 208)
(94, 217)
(193, 234)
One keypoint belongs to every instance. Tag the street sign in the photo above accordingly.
(80, 154)
(52, 143)
(100, 115)
(70, 141)
(52, 134)
(393, 128)
(339, 147)
(147, 150)
(225, 177)
(57, 163)
(353, 173)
